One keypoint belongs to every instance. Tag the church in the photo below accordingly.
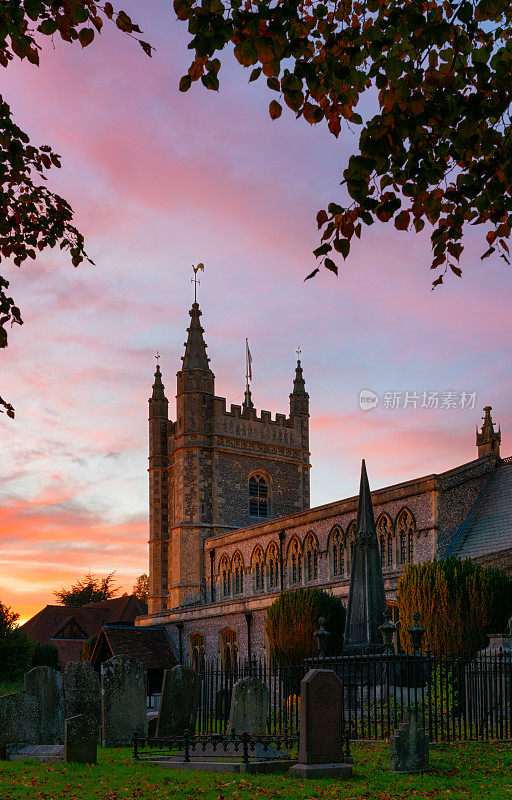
(230, 523)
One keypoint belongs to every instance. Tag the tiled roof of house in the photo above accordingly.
(488, 527)
(51, 620)
(150, 646)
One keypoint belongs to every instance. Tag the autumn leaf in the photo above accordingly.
(275, 109)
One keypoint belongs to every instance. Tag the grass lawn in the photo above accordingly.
(458, 772)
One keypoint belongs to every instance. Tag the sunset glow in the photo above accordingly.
(159, 181)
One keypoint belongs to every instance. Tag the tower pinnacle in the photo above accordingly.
(158, 387)
(195, 347)
(488, 440)
(299, 398)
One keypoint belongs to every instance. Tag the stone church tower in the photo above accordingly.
(213, 470)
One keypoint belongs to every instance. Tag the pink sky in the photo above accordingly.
(161, 180)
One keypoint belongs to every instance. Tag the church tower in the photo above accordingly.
(215, 470)
(158, 495)
(488, 440)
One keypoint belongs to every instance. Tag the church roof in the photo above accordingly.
(195, 347)
(487, 529)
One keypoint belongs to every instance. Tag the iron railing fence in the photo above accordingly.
(455, 698)
(215, 747)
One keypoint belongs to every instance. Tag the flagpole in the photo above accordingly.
(247, 363)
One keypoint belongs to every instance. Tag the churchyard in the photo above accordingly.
(458, 771)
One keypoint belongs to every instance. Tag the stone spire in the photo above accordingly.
(158, 387)
(488, 440)
(299, 398)
(367, 599)
(195, 348)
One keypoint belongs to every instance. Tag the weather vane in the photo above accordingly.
(195, 280)
(157, 356)
(299, 352)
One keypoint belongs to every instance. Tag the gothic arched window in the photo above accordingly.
(258, 569)
(294, 562)
(405, 535)
(385, 535)
(238, 573)
(337, 554)
(225, 576)
(349, 545)
(311, 558)
(272, 566)
(196, 643)
(258, 497)
(229, 650)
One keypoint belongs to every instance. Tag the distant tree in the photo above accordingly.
(141, 587)
(45, 655)
(91, 589)
(459, 603)
(88, 647)
(293, 618)
(16, 649)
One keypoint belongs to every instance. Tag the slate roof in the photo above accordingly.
(150, 646)
(487, 529)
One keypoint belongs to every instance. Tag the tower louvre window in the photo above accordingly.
(258, 497)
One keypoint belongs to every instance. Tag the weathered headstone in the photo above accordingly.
(249, 707)
(123, 701)
(19, 721)
(321, 726)
(179, 701)
(45, 685)
(81, 685)
(408, 746)
(80, 740)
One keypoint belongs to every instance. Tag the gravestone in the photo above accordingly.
(19, 718)
(321, 726)
(249, 707)
(123, 701)
(80, 740)
(81, 684)
(408, 747)
(179, 701)
(45, 685)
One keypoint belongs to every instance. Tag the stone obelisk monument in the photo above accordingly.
(367, 599)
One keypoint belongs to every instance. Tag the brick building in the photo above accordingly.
(231, 526)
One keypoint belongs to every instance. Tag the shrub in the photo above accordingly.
(459, 603)
(46, 655)
(292, 620)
